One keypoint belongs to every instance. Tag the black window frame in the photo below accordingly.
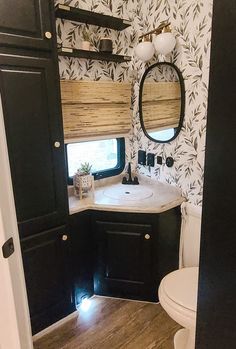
(110, 172)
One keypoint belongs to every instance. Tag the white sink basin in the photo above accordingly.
(128, 192)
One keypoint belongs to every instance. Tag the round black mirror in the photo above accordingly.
(162, 102)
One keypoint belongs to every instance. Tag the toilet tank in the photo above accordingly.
(190, 235)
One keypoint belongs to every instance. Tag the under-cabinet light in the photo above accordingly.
(85, 304)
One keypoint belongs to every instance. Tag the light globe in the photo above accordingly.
(164, 43)
(144, 51)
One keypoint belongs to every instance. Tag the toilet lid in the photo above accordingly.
(181, 287)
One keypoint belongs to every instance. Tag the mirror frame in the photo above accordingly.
(182, 108)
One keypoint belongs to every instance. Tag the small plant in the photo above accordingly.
(85, 168)
(85, 35)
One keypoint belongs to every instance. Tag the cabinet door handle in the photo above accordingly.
(64, 237)
(48, 35)
(57, 144)
(147, 237)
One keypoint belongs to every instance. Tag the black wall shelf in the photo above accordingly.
(69, 52)
(89, 17)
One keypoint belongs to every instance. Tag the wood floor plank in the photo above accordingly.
(114, 323)
(127, 329)
(80, 324)
(108, 326)
(160, 330)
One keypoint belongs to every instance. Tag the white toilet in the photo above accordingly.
(178, 290)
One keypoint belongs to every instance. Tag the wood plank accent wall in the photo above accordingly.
(161, 105)
(95, 110)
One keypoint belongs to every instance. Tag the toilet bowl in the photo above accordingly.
(178, 296)
(178, 290)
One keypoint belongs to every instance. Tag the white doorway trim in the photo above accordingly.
(15, 330)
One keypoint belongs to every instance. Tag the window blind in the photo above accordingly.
(161, 104)
(95, 110)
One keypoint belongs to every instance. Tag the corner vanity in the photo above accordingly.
(125, 238)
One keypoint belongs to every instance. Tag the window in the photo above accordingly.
(163, 135)
(107, 157)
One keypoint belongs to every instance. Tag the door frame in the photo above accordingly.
(15, 328)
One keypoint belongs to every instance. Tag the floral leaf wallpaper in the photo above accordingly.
(191, 23)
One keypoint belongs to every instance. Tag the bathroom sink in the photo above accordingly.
(128, 192)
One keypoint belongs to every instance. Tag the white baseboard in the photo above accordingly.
(55, 325)
(126, 299)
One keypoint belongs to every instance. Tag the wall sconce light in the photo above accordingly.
(164, 42)
(145, 49)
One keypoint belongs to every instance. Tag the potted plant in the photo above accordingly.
(85, 169)
(83, 180)
(86, 40)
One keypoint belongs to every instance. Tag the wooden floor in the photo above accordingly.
(112, 323)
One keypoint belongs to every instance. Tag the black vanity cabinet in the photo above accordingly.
(26, 24)
(46, 258)
(123, 265)
(33, 126)
(120, 254)
(134, 251)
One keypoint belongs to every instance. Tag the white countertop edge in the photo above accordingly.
(130, 208)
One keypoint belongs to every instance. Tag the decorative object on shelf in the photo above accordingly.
(83, 181)
(164, 42)
(100, 56)
(86, 40)
(105, 45)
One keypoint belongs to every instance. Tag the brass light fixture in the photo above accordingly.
(163, 42)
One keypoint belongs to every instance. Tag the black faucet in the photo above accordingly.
(129, 180)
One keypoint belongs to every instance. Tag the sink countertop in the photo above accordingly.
(163, 197)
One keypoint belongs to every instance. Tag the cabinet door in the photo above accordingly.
(123, 266)
(23, 23)
(46, 266)
(82, 255)
(32, 116)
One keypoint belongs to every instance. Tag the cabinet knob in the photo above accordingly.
(57, 144)
(64, 237)
(48, 35)
(147, 237)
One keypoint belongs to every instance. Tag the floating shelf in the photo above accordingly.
(89, 17)
(109, 57)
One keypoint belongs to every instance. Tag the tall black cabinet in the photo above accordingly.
(35, 141)
(46, 259)
(29, 87)
(217, 283)
(26, 24)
